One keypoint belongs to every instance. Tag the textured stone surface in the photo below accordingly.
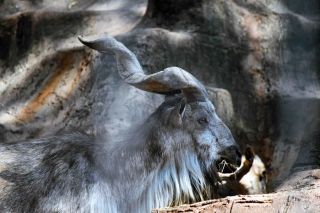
(263, 53)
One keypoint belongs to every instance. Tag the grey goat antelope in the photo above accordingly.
(169, 159)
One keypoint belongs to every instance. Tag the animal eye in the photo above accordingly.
(202, 121)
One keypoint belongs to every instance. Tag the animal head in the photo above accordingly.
(195, 126)
(187, 119)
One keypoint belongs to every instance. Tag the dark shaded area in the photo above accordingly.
(6, 32)
(309, 8)
(169, 14)
(24, 33)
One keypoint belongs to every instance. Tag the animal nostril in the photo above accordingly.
(217, 140)
(238, 153)
(238, 161)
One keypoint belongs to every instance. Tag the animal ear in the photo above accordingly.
(178, 113)
(182, 109)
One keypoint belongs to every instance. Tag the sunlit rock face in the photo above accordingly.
(262, 52)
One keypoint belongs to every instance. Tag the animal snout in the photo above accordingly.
(232, 154)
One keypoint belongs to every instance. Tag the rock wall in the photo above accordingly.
(263, 53)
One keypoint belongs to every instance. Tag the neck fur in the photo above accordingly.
(179, 181)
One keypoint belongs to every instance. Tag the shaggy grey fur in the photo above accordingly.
(169, 159)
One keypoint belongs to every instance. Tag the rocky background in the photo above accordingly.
(263, 53)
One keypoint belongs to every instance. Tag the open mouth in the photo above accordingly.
(229, 171)
(226, 166)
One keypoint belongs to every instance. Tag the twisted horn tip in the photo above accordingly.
(83, 41)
